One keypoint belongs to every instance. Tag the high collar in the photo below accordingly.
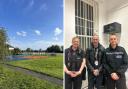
(113, 48)
(74, 50)
(93, 45)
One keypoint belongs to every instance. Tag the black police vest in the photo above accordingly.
(74, 60)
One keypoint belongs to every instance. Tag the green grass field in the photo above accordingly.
(53, 65)
(9, 79)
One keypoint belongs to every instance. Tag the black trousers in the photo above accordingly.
(73, 83)
(94, 81)
(118, 84)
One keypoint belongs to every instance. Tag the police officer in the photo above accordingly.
(94, 57)
(115, 63)
(74, 64)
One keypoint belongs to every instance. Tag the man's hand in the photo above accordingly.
(96, 72)
(114, 76)
(75, 73)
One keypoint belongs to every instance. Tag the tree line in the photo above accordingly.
(50, 49)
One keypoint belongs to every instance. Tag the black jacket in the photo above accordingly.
(115, 60)
(73, 62)
(90, 58)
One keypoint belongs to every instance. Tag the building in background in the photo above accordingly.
(83, 18)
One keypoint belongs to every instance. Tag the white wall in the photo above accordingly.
(69, 22)
(102, 21)
(120, 15)
(115, 15)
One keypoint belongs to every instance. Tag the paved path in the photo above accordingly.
(38, 75)
(49, 78)
(84, 84)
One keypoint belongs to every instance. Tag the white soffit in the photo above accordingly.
(115, 4)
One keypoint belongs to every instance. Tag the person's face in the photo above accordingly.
(113, 40)
(75, 42)
(95, 41)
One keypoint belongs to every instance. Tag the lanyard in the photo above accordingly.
(96, 53)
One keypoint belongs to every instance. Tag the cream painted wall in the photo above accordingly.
(69, 22)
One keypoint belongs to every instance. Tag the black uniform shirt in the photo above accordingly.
(73, 59)
(115, 60)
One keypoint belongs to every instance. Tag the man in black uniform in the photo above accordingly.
(94, 57)
(115, 63)
(74, 64)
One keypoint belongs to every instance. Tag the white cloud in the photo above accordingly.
(57, 31)
(38, 32)
(22, 33)
(18, 33)
(43, 6)
(44, 44)
(35, 45)
(56, 38)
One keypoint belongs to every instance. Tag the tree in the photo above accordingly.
(16, 51)
(3, 46)
(28, 50)
(54, 48)
(40, 50)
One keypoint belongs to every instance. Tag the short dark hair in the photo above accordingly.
(113, 34)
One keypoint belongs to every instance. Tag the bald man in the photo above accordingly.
(94, 57)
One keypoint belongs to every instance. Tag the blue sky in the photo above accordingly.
(32, 23)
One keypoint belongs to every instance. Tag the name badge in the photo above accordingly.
(96, 63)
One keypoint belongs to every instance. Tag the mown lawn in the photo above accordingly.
(10, 79)
(53, 65)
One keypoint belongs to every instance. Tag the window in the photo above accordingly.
(85, 21)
